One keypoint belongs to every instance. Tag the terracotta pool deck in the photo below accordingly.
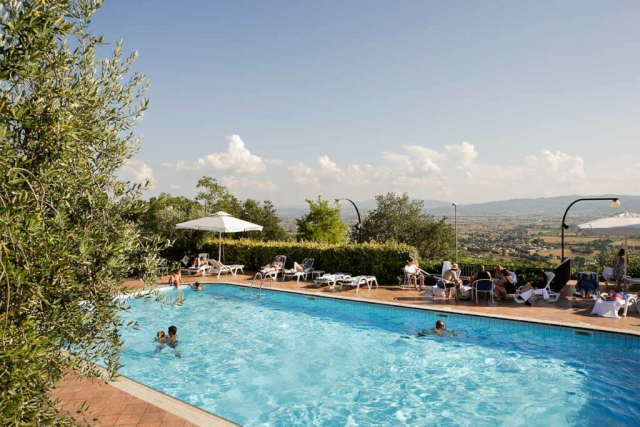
(125, 403)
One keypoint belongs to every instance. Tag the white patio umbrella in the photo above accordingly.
(220, 222)
(624, 224)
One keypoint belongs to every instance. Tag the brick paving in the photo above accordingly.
(96, 403)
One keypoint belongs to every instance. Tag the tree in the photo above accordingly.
(216, 197)
(265, 215)
(322, 223)
(160, 219)
(400, 219)
(66, 221)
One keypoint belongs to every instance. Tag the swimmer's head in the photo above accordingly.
(439, 324)
(172, 330)
(160, 334)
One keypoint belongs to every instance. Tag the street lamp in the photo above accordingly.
(615, 203)
(455, 226)
(359, 225)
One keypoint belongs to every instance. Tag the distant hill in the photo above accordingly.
(295, 211)
(542, 207)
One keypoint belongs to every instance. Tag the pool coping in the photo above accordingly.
(578, 326)
(168, 403)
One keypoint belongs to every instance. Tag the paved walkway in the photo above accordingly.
(96, 403)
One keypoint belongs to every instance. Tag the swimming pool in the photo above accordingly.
(282, 359)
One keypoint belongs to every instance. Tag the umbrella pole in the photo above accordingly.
(220, 247)
(626, 254)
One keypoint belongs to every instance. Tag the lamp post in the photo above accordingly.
(359, 225)
(455, 226)
(615, 203)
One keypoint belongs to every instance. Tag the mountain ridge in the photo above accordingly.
(543, 207)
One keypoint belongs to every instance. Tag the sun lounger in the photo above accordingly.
(220, 268)
(203, 269)
(546, 292)
(611, 308)
(307, 268)
(330, 279)
(267, 269)
(356, 281)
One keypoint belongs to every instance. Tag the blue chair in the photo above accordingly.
(483, 285)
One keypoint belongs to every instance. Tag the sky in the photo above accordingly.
(465, 102)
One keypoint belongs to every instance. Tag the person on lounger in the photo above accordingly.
(587, 285)
(297, 268)
(540, 283)
(277, 265)
(412, 271)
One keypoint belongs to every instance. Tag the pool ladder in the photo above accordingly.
(262, 279)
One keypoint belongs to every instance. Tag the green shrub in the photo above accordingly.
(383, 260)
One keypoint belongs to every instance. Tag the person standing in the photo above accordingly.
(618, 269)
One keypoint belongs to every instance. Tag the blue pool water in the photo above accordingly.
(278, 359)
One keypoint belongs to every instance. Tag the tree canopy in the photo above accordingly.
(66, 221)
(400, 219)
(322, 223)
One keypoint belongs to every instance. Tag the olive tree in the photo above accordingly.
(67, 235)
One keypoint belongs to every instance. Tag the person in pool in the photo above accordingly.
(197, 286)
(161, 337)
(173, 335)
(439, 330)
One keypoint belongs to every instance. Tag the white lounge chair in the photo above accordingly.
(203, 269)
(546, 292)
(356, 281)
(267, 270)
(307, 269)
(220, 268)
(630, 301)
(330, 279)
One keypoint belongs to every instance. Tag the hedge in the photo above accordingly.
(383, 260)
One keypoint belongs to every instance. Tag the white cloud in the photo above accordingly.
(167, 164)
(303, 174)
(174, 186)
(462, 155)
(242, 183)
(328, 166)
(273, 162)
(560, 166)
(137, 171)
(236, 159)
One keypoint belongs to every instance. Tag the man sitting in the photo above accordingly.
(412, 271)
(587, 285)
(451, 280)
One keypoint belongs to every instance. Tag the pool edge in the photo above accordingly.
(170, 404)
(585, 326)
